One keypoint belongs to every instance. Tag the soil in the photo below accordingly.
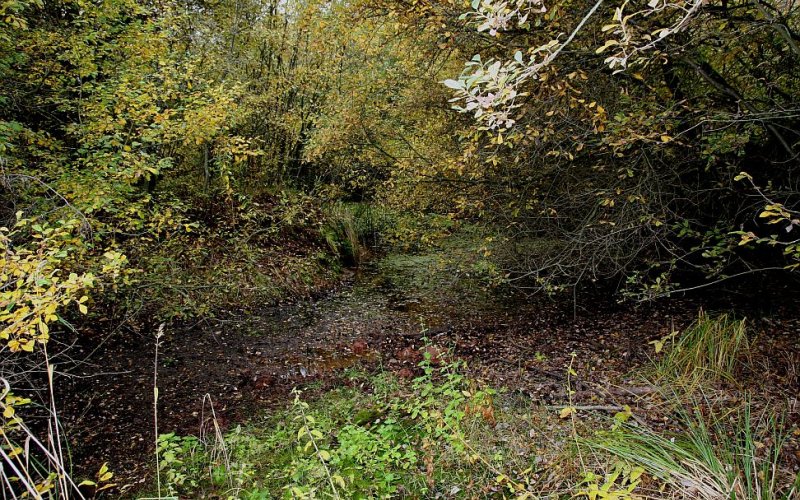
(245, 364)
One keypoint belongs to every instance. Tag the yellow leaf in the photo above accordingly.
(658, 345)
(606, 45)
(566, 412)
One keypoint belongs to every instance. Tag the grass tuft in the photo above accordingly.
(708, 351)
(712, 455)
(350, 228)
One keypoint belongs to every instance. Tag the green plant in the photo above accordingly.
(380, 450)
(350, 228)
(400, 439)
(341, 234)
(102, 480)
(180, 461)
(618, 484)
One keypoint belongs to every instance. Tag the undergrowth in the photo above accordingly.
(714, 440)
(350, 229)
(444, 434)
(382, 437)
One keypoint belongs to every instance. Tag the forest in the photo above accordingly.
(400, 249)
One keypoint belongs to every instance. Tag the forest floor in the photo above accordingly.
(381, 319)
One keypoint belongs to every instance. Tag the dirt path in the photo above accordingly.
(250, 363)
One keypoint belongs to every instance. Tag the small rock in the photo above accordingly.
(359, 347)
(366, 416)
(409, 355)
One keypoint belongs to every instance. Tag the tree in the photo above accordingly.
(618, 139)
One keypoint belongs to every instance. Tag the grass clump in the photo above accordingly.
(709, 350)
(709, 448)
(711, 454)
(351, 228)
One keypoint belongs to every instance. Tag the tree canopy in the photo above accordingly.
(650, 146)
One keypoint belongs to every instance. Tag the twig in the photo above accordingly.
(159, 334)
(316, 449)
(588, 407)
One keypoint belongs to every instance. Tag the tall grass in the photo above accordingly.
(710, 452)
(350, 228)
(737, 457)
(708, 351)
(34, 464)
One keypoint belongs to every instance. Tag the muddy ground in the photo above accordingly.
(249, 362)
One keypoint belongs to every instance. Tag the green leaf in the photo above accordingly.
(453, 84)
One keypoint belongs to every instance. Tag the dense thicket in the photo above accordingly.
(615, 138)
(156, 152)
